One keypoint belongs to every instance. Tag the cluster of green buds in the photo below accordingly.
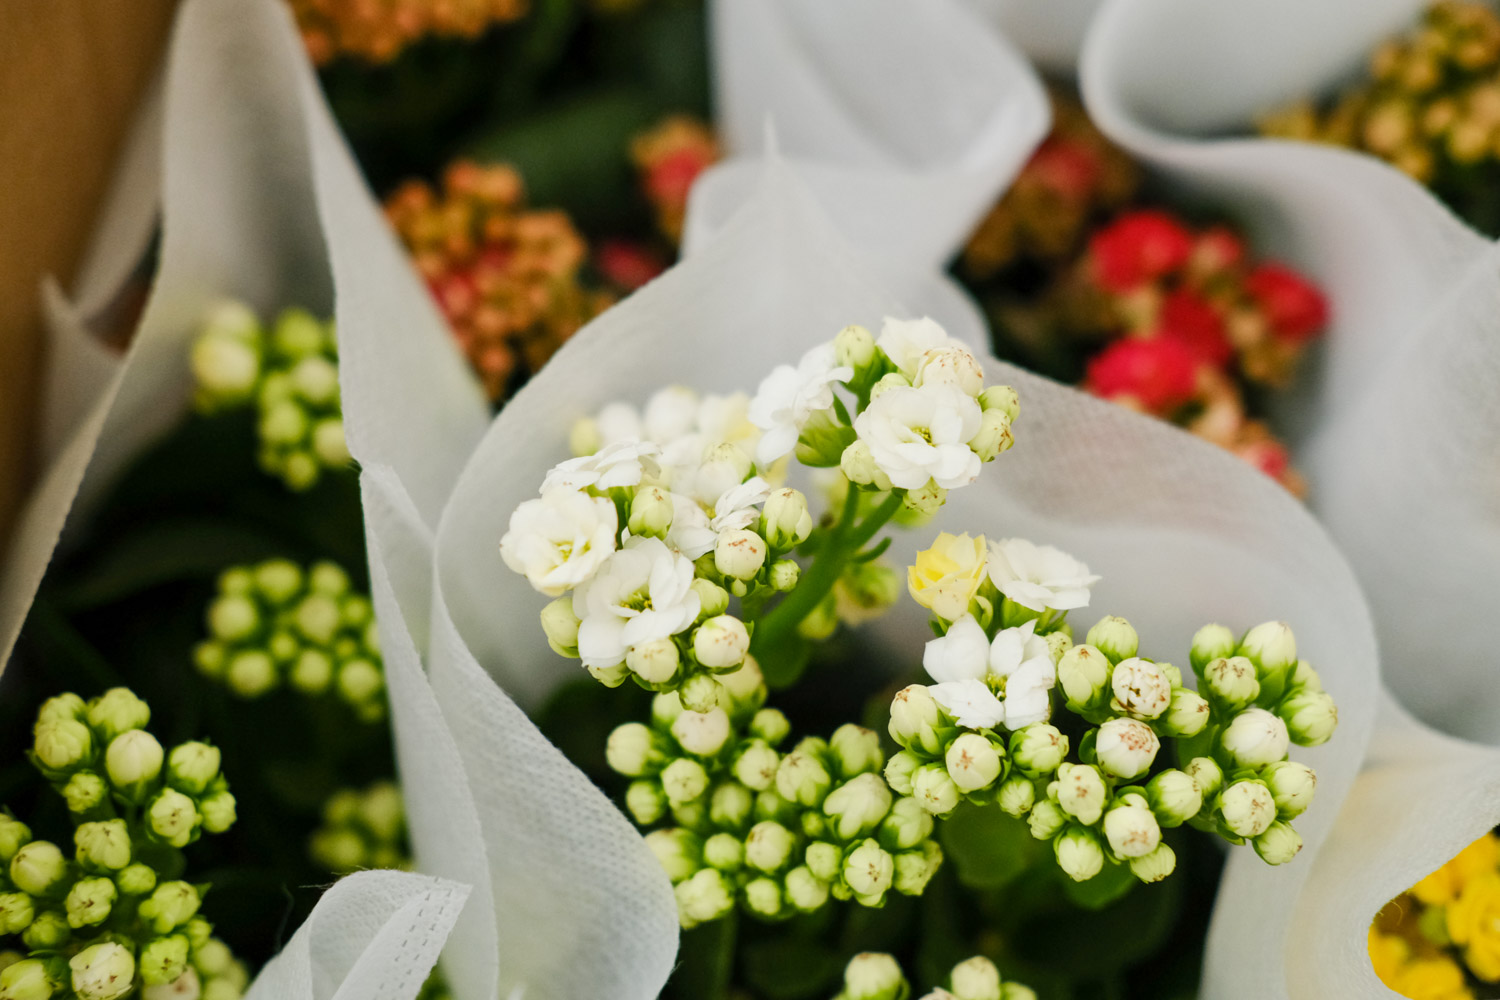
(113, 916)
(362, 828)
(874, 975)
(276, 622)
(778, 833)
(289, 374)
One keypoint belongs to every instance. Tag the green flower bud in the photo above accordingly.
(763, 897)
(1002, 398)
(1174, 796)
(915, 868)
(745, 687)
(1278, 844)
(133, 761)
(1126, 748)
(804, 891)
(66, 707)
(1046, 819)
(857, 462)
(136, 880)
(646, 801)
(823, 439)
(858, 806)
(164, 960)
(974, 762)
(1081, 792)
(802, 778)
(561, 626)
(1311, 717)
(1232, 681)
(888, 381)
(874, 976)
(198, 931)
(49, 931)
(1139, 688)
(769, 846)
(785, 520)
(784, 575)
(905, 826)
(855, 750)
(213, 958)
(1115, 637)
(13, 834)
(935, 789)
(654, 662)
(170, 906)
(250, 673)
(869, 871)
(1083, 672)
(730, 805)
(1187, 714)
(1211, 642)
(1016, 796)
(713, 598)
(16, 912)
(1255, 738)
(814, 826)
(1132, 831)
(721, 642)
(1271, 646)
(684, 780)
(1208, 775)
(915, 719)
(724, 852)
(1304, 678)
(924, 502)
(103, 846)
(89, 901)
(85, 791)
(116, 711)
(62, 745)
(975, 979)
(900, 770)
(1058, 643)
(702, 733)
(312, 672)
(708, 895)
(28, 979)
(854, 347)
(740, 554)
(824, 860)
(103, 972)
(209, 657)
(217, 811)
(192, 766)
(278, 580)
(38, 868)
(701, 693)
(297, 333)
(651, 512)
(233, 618)
(994, 437)
(633, 750)
(610, 677)
(360, 681)
(756, 765)
(173, 817)
(1038, 749)
(1292, 786)
(339, 850)
(1155, 866)
(679, 852)
(770, 725)
(1248, 808)
(1078, 853)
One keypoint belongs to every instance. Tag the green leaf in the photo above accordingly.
(987, 848)
(1097, 944)
(791, 969)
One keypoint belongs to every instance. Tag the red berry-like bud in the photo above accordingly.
(1158, 373)
(1137, 248)
(1295, 309)
(1193, 321)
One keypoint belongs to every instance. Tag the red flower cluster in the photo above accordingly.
(377, 30)
(505, 276)
(670, 156)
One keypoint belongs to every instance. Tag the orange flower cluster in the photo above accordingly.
(505, 276)
(1073, 179)
(377, 30)
(669, 156)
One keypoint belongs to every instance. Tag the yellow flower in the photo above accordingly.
(1432, 977)
(1388, 954)
(946, 577)
(1443, 886)
(1474, 925)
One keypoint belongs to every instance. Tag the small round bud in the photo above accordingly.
(233, 618)
(164, 960)
(724, 852)
(1126, 748)
(900, 769)
(1255, 738)
(62, 745)
(136, 880)
(1187, 714)
(712, 598)
(934, 788)
(1002, 398)
(994, 437)
(1038, 749)
(756, 765)
(1131, 830)
(1232, 681)
(16, 912)
(38, 868)
(67, 706)
(85, 791)
(13, 834)
(1279, 844)
(103, 846)
(1270, 646)
(116, 711)
(651, 512)
(192, 766)
(684, 780)
(804, 891)
(49, 931)
(185, 987)
(858, 465)
(763, 897)
(1078, 853)
(1211, 642)
(654, 662)
(802, 778)
(924, 501)
(632, 750)
(217, 811)
(771, 725)
(1115, 637)
(975, 979)
(915, 868)
(1081, 792)
(1017, 795)
(561, 626)
(1140, 689)
(874, 976)
(646, 801)
(679, 852)
(171, 905)
(905, 826)
(855, 750)
(1208, 775)
(857, 806)
(1248, 808)
(730, 805)
(869, 871)
(133, 761)
(1304, 678)
(1155, 866)
(173, 817)
(1083, 673)
(1046, 819)
(721, 642)
(1174, 796)
(250, 673)
(702, 733)
(28, 979)
(915, 719)
(854, 347)
(89, 902)
(769, 846)
(103, 972)
(784, 575)
(1292, 786)
(1311, 717)
(973, 762)
(704, 897)
(823, 860)
(740, 554)
(785, 519)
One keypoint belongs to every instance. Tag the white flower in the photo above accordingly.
(971, 703)
(736, 506)
(560, 539)
(1017, 656)
(671, 413)
(955, 366)
(916, 435)
(620, 463)
(617, 422)
(905, 341)
(789, 396)
(690, 532)
(642, 593)
(963, 653)
(1039, 576)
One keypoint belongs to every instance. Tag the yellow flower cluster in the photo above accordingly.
(377, 30)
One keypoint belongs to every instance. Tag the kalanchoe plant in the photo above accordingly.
(362, 828)
(877, 976)
(278, 623)
(112, 917)
(289, 374)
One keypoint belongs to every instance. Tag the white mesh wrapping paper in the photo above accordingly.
(1398, 428)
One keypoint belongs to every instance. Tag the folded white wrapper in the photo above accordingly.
(1398, 429)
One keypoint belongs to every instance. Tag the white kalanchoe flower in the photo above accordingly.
(670, 413)
(1141, 688)
(921, 435)
(1039, 577)
(906, 342)
(735, 509)
(616, 423)
(622, 463)
(789, 396)
(560, 539)
(955, 366)
(1126, 748)
(641, 593)
(971, 703)
(1131, 829)
(1255, 738)
(1018, 658)
(690, 532)
(973, 762)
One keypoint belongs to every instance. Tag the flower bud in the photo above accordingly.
(935, 790)
(721, 643)
(763, 897)
(1232, 681)
(1255, 738)
(192, 766)
(1038, 749)
(869, 871)
(651, 512)
(62, 745)
(28, 979)
(1046, 819)
(1081, 792)
(67, 706)
(923, 502)
(900, 769)
(1115, 637)
(116, 711)
(1248, 808)
(724, 852)
(646, 801)
(89, 901)
(226, 368)
(13, 834)
(973, 762)
(857, 806)
(679, 852)
(1078, 853)
(1132, 830)
(994, 437)
(1279, 844)
(173, 817)
(16, 912)
(802, 778)
(854, 347)
(1155, 866)
(1174, 796)
(103, 846)
(217, 811)
(1083, 672)
(915, 718)
(915, 868)
(740, 554)
(561, 626)
(633, 750)
(771, 725)
(1126, 748)
(855, 750)
(1187, 713)
(756, 765)
(49, 931)
(701, 693)
(1140, 689)
(1002, 398)
(1211, 642)
(170, 905)
(1292, 786)
(187, 987)
(713, 599)
(1208, 775)
(1311, 717)
(874, 976)
(164, 960)
(103, 972)
(583, 437)
(136, 879)
(730, 805)
(858, 465)
(823, 439)
(684, 780)
(1270, 646)
(250, 673)
(769, 846)
(785, 520)
(1016, 796)
(654, 662)
(84, 791)
(784, 575)
(805, 891)
(702, 734)
(823, 860)
(975, 979)
(905, 826)
(38, 868)
(704, 897)
(1304, 678)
